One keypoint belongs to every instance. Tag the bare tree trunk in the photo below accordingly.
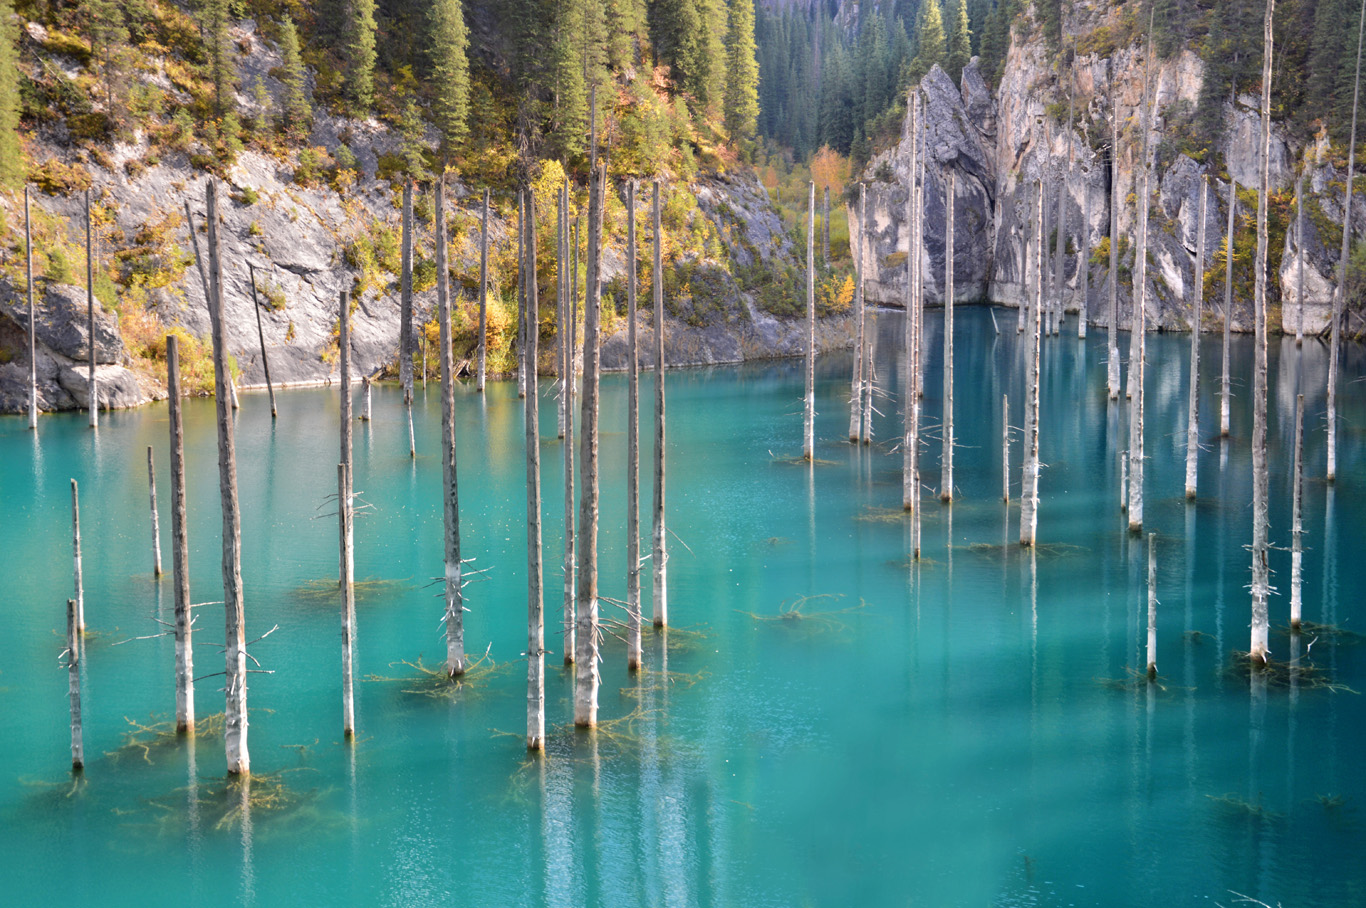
(235, 722)
(1340, 296)
(1005, 448)
(1261, 590)
(1139, 341)
(521, 295)
(483, 290)
(909, 437)
(1124, 482)
(1059, 248)
(1029, 481)
(563, 342)
(365, 410)
(405, 330)
(348, 603)
(660, 556)
(1112, 359)
(1193, 404)
(261, 337)
(587, 678)
(1084, 263)
(809, 423)
(1224, 395)
(455, 604)
(825, 225)
(156, 526)
(535, 613)
(73, 676)
(568, 391)
(1297, 521)
(32, 321)
(1299, 250)
(946, 455)
(1152, 606)
(90, 312)
(76, 555)
(180, 551)
(856, 388)
(632, 443)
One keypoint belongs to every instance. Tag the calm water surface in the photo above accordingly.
(961, 733)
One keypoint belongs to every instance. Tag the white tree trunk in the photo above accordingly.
(856, 386)
(633, 646)
(73, 679)
(587, 679)
(535, 608)
(1139, 337)
(570, 257)
(455, 598)
(1297, 521)
(1029, 481)
(156, 525)
(76, 555)
(660, 557)
(90, 312)
(483, 291)
(522, 315)
(348, 605)
(405, 330)
(1224, 394)
(1005, 448)
(909, 435)
(32, 321)
(809, 422)
(1084, 263)
(946, 451)
(1152, 606)
(1193, 403)
(1112, 358)
(1299, 249)
(180, 550)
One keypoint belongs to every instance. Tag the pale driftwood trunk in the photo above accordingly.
(455, 605)
(1340, 295)
(1112, 279)
(90, 312)
(917, 261)
(73, 677)
(348, 604)
(76, 555)
(235, 721)
(261, 337)
(1124, 481)
(180, 551)
(1224, 394)
(856, 387)
(405, 329)
(1059, 247)
(825, 226)
(1139, 341)
(521, 295)
(660, 555)
(32, 321)
(1299, 250)
(1261, 588)
(587, 678)
(483, 291)
(365, 410)
(344, 442)
(908, 435)
(809, 411)
(156, 524)
(1005, 448)
(535, 586)
(1193, 403)
(946, 455)
(562, 340)
(567, 390)
(1084, 264)
(1152, 606)
(1029, 480)
(1297, 521)
(632, 443)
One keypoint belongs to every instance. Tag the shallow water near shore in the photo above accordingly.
(826, 724)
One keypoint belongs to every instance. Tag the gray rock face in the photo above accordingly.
(62, 322)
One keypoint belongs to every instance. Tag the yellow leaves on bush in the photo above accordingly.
(835, 294)
(145, 336)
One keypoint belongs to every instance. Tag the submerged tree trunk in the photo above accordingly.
(1193, 403)
(809, 422)
(1297, 520)
(946, 457)
(825, 229)
(632, 443)
(483, 290)
(522, 364)
(32, 322)
(90, 312)
(73, 678)
(180, 550)
(1152, 606)
(1139, 341)
(1112, 359)
(405, 329)
(1029, 481)
(856, 386)
(76, 555)
(1299, 250)
(156, 525)
(1084, 262)
(1224, 394)
(261, 337)
(345, 518)
(567, 390)
(660, 555)
(1005, 448)
(455, 597)
(535, 608)
(909, 436)
(235, 721)
(1340, 296)
(587, 678)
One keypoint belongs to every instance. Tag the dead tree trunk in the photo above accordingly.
(483, 291)
(809, 423)
(365, 411)
(1297, 521)
(76, 554)
(235, 722)
(261, 337)
(521, 295)
(1112, 279)
(1299, 250)
(918, 309)
(156, 525)
(405, 330)
(73, 676)
(856, 387)
(562, 340)
(660, 556)
(567, 390)
(1152, 606)
(1138, 343)
(1005, 448)
(345, 518)
(946, 456)
(1193, 404)
(909, 436)
(1084, 263)
(32, 321)
(1340, 296)
(632, 443)
(1224, 394)
(1029, 480)
(90, 312)
(1261, 590)
(1059, 247)
(344, 349)
(825, 229)
(535, 609)
(586, 669)
(455, 605)
(180, 551)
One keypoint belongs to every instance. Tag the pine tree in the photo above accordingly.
(450, 74)
(214, 24)
(709, 83)
(931, 44)
(414, 148)
(109, 45)
(675, 29)
(298, 109)
(569, 129)
(11, 153)
(995, 42)
(960, 39)
(742, 86)
(360, 55)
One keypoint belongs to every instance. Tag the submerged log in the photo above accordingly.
(73, 676)
(454, 595)
(76, 555)
(156, 525)
(261, 337)
(180, 551)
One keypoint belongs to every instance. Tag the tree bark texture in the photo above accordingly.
(180, 550)
(76, 554)
(483, 291)
(1297, 521)
(535, 591)
(156, 524)
(567, 391)
(587, 678)
(1193, 402)
(856, 387)
(455, 598)
(946, 455)
(909, 437)
(633, 645)
(1152, 606)
(261, 337)
(1224, 393)
(1112, 279)
(90, 311)
(32, 322)
(660, 555)
(73, 679)
(1029, 479)
(809, 421)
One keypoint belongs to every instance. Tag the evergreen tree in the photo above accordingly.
(1327, 49)
(1233, 55)
(709, 83)
(932, 46)
(1050, 15)
(960, 39)
(214, 25)
(569, 129)
(298, 109)
(414, 149)
(626, 26)
(11, 153)
(450, 74)
(675, 30)
(996, 41)
(360, 55)
(742, 86)
(109, 46)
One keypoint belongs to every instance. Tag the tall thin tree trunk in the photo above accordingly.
(73, 676)
(660, 556)
(1297, 520)
(261, 337)
(535, 609)
(1299, 251)
(1139, 341)
(521, 295)
(1152, 606)
(180, 551)
(571, 304)
(1224, 394)
(235, 721)
(1005, 448)
(76, 555)
(156, 525)
(1084, 263)
(856, 387)
(809, 422)
(1059, 248)
(32, 321)
(1340, 296)
(345, 518)
(455, 597)
(562, 339)
(946, 457)
(587, 678)
(1029, 480)
(1261, 590)
(918, 308)
(405, 330)
(632, 443)
(1124, 481)
(90, 312)
(1193, 404)
(483, 290)
(1112, 279)
(825, 229)
(908, 435)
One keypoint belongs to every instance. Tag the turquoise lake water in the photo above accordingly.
(964, 732)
